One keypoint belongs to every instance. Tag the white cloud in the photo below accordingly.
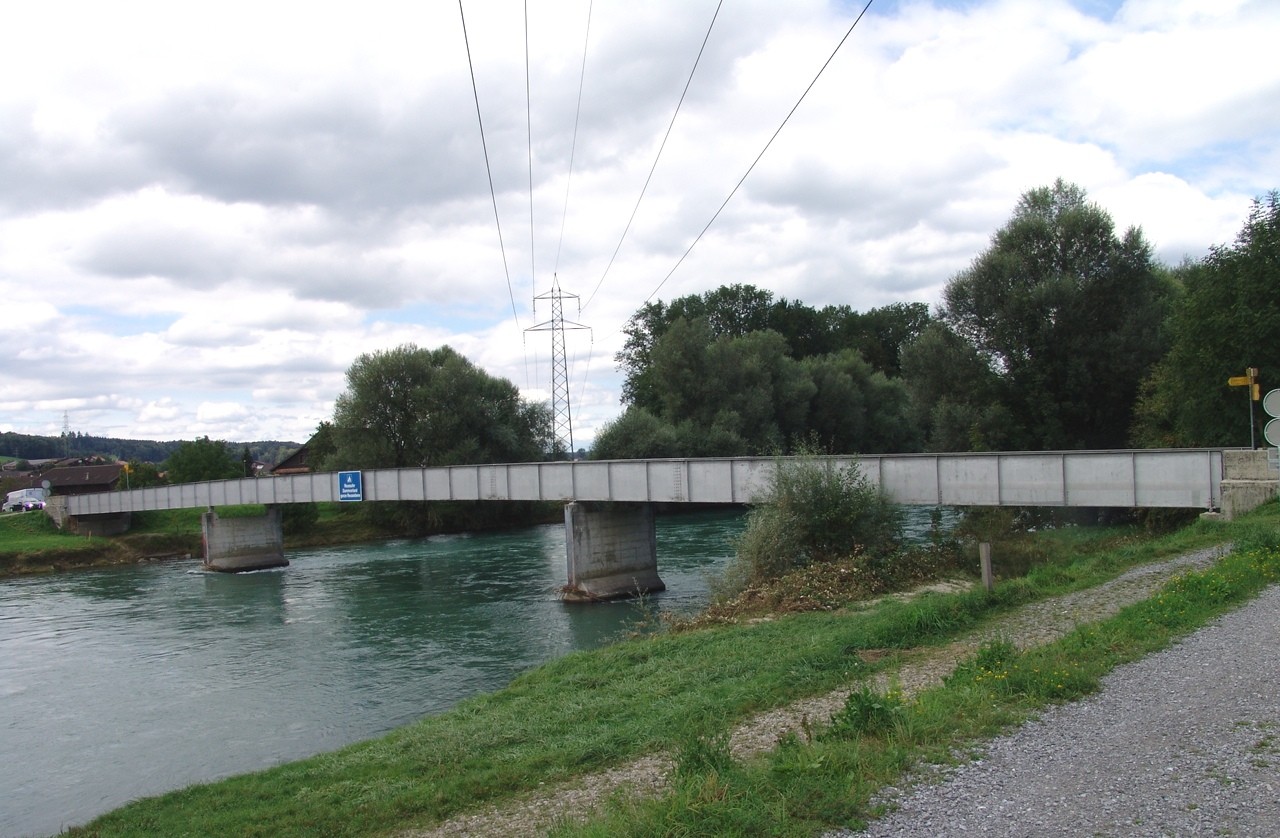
(205, 222)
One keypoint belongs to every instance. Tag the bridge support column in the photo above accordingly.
(612, 552)
(232, 545)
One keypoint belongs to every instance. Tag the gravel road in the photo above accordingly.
(1185, 742)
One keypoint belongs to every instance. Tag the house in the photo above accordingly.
(296, 463)
(82, 479)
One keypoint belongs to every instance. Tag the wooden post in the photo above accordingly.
(984, 558)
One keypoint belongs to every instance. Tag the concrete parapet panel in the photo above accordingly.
(611, 553)
(1248, 465)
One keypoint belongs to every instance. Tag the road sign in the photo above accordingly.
(1271, 403)
(1239, 381)
(350, 486)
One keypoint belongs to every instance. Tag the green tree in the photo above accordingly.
(432, 407)
(1226, 320)
(955, 394)
(408, 406)
(141, 475)
(1067, 314)
(856, 409)
(635, 435)
(202, 459)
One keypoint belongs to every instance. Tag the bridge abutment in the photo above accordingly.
(232, 545)
(1248, 480)
(612, 551)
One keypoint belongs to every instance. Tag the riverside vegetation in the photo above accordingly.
(681, 690)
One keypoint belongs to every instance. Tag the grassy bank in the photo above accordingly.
(682, 692)
(31, 543)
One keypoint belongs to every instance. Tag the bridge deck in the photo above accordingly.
(1172, 478)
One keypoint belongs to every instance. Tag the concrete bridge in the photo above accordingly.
(609, 503)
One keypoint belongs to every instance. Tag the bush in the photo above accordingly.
(816, 513)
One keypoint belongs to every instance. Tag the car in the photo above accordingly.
(29, 505)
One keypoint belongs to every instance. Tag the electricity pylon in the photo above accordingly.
(561, 414)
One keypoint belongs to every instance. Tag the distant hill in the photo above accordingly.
(28, 447)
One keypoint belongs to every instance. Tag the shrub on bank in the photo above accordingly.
(816, 513)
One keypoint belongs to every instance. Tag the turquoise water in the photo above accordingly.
(127, 682)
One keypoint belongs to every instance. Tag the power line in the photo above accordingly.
(573, 148)
(488, 170)
(528, 121)
(656, 158)
(763, 150)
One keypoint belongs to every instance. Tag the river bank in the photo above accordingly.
(681, 694)
(126, 682)
(30, 543)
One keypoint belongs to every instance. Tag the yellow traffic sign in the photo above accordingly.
(1239, 381)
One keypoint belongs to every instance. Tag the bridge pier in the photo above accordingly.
(612, 551)
(232, 545)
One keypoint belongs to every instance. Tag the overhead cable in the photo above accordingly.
(488, 170)
(657, 157)
(762, 151)
(528, 121)
(582, 77)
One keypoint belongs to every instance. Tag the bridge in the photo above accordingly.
(609, 503)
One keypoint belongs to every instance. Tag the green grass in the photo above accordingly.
(681, 693)
(22, 534)
(805, 787)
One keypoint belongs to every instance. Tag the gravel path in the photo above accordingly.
(1031, 625)
(1185, 742)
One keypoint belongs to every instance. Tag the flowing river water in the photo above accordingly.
(127, 682)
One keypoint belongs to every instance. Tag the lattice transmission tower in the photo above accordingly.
(561, 412)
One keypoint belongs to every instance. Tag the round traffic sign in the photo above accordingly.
(1271, 403)
(1271, 433)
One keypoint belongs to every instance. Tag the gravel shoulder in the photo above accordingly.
(1029, 626)
(1185, 742)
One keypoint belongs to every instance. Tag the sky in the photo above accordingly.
(208, 213)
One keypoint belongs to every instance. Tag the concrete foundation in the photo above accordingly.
(612, 552)
(232, 545)
(1248, 481)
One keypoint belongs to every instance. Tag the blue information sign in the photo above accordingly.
(350, 486)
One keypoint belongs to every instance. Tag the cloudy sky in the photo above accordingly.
(208, 212)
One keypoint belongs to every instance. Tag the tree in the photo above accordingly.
(1069, 317)
(141, 475)
(1226, 320)
(202, 459)
(955, 394)
(635, 435)
(855, 409)
(421, 407)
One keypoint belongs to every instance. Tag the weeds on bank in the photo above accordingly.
(831, 777)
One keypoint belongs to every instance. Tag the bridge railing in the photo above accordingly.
(1174, 478)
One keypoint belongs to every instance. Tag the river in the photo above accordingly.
(127, 682)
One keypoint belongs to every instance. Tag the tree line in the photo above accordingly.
(1062, 334)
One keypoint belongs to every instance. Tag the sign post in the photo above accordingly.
(350, 486)
(1254, 393)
